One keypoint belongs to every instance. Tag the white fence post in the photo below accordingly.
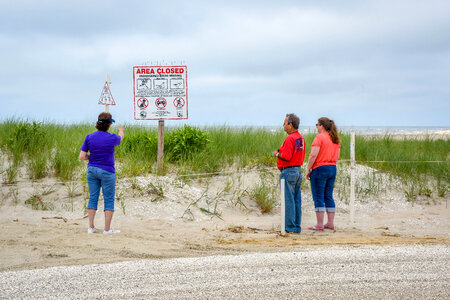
(283, 229)
(352, 177)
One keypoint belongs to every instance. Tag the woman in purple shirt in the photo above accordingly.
(101, 172)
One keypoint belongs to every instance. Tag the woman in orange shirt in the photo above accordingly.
(321, 171)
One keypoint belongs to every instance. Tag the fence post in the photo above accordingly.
(283, 229)
(352, 177)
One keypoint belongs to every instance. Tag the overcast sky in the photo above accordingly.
(361, 63)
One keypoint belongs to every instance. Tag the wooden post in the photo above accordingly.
(160, 159)
(107, 82)
(352, 177)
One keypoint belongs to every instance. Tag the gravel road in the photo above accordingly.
(339, 272)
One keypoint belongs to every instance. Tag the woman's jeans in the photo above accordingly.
(98, 178)
(293, 198)
(322, 184)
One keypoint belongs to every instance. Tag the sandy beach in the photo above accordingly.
(194, 217)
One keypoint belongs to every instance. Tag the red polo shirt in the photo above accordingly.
(293, 149)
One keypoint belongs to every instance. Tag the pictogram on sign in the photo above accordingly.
(161, 102)
(106, 97)
(142, 103)
(178, 102)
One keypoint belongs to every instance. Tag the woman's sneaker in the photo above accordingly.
(111, 231)
(92, 230)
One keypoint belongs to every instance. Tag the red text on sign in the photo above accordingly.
(160, 71)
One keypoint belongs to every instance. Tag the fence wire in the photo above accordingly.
(224, 173)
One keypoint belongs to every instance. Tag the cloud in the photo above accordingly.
(351, 59)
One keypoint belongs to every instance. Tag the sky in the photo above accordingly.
(360, 63)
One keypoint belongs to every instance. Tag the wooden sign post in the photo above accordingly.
(160, 157)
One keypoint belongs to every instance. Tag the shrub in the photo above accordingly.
(184, 142)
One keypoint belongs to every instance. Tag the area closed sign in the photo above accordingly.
(160, 92)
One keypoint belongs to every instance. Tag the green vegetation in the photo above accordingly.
(44, 149)
(265, 193)
(407, 158)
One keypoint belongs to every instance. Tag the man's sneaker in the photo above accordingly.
(92, 230)
(111, 231)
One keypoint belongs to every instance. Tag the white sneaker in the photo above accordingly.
(111, 231)
(92, 230)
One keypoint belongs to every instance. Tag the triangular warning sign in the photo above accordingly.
(106, 97)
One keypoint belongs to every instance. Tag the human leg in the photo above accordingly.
(298, 202)
(292, 204)
(318, 183)
(330, 221)
(91, 217)
(330, 205)
(108, 181)
(94, 192)
(108, 218)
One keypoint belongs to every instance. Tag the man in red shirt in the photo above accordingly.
(290, 158)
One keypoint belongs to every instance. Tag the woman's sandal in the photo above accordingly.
(315, 228)
(328, 227)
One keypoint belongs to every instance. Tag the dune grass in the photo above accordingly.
(408, 158)
(47, 149)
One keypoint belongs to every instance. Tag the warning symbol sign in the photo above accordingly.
(178, 102)
(142, 103)
(106, 97)
(161, 102)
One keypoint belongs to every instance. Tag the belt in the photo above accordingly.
(283, 168)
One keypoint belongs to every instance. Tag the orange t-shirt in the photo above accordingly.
(328, 153)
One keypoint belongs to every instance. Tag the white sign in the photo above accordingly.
(160, 92)
(106, 97)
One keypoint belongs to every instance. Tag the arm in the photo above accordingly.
(121, 133)
(312, 158)
(277, 154)
(83, 155)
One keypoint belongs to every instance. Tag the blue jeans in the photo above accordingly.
(293, 198)
(322, 185)
(98, 178)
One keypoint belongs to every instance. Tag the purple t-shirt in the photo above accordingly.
(101, 145)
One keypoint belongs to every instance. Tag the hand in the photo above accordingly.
(275, 153)
(121, 128)
(308, 175)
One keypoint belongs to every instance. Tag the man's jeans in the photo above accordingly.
(322, 184)
(98, 178)
(293, 198)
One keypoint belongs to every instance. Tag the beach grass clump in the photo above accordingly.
(68, 141)
(28, 140)
(37, 203)
(265, 192)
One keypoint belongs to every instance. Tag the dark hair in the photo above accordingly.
(331, 128)
(294, 120)
(101, 124)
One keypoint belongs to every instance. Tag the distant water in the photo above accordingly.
(375, 129)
